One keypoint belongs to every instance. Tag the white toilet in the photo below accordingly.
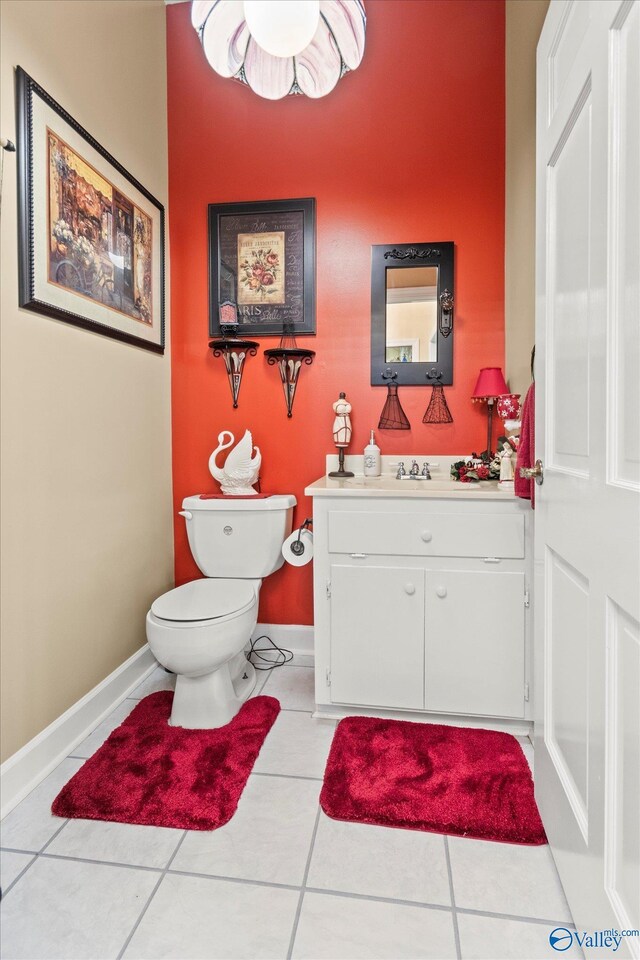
(199, 630)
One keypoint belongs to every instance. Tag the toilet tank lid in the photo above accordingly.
(204, 600)
(282, 501)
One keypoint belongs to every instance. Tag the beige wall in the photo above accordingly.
(524, 19)
(86, 483)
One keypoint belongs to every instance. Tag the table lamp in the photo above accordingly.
(490, 384)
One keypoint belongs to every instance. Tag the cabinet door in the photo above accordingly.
(377, 636)
(474, 654)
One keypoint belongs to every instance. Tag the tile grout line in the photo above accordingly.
(101, 863)
(285, 776)
(151, 896)
(241, 880)
(454, 915)
(468, 911)
(33, 853)
(296, 919)
(348, 895)
(34, 857)
(53, 836)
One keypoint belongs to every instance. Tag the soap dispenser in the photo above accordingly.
(372, 459)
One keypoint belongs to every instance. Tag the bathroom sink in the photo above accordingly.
(422, 486)
(412, 489)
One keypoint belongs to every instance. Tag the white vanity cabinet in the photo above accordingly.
(376, 635)
(421, 601)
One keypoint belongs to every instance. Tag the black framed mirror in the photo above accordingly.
(412, 313)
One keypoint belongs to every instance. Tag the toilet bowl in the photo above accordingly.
(200, 629)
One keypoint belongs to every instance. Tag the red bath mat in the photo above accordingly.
(148, 772)
(422, 776)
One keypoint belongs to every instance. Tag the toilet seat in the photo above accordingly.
(208, 599)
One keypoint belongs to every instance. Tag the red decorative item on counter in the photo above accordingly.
(489, 385)
(508, 406)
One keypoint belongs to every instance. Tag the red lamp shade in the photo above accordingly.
(490, 384)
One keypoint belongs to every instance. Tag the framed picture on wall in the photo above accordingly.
(262, 257)
(90, 237)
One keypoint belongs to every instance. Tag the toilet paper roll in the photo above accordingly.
(297, 554)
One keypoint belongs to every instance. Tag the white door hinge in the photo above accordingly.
(527, 599)
(328, 677)
(526, 692)
(328, 589)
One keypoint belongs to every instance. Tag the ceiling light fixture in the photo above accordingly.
(280, 27)
(282, 47)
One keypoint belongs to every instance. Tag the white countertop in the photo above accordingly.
(388, 487)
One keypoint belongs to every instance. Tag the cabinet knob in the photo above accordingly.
(441, 592)
(410, 588)
(426, 535)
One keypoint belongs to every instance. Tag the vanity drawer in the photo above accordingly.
(426, 535)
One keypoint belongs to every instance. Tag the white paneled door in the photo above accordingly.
(588, 437)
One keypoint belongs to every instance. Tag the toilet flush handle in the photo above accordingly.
(186, 514)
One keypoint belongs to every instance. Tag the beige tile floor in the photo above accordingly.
(279, 880)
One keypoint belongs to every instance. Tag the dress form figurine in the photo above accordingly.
(506, 465)
(342, 423)
(342, 431)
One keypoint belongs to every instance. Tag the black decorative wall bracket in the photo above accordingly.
(412, 253)
(445, 322)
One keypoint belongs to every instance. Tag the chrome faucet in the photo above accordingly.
(401, 471)
(426, 473)
(415, 469)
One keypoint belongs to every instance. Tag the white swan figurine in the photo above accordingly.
(241, 467)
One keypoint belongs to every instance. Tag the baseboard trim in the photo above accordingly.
(334, 711)
(32, 763)
(293, 636)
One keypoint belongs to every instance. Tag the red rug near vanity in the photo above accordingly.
(150, 773)
(421, 776)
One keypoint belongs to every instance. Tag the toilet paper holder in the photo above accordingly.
(297, 547)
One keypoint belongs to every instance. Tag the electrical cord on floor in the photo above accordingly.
(282, 655)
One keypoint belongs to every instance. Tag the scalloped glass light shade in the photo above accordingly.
(337, 46)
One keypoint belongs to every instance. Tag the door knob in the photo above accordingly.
(533, 473)
(410, 588)
(426, 535)
(441, 592)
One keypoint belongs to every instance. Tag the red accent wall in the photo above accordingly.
(408, 148)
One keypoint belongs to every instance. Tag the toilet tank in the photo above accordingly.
(238, 538)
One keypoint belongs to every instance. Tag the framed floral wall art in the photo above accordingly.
(91, 238)
(262, 257)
